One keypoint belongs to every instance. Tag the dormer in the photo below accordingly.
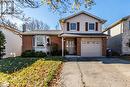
(82, 22)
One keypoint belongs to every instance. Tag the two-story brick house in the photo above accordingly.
(80, 34)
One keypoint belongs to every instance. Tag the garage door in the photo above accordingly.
(91, 47)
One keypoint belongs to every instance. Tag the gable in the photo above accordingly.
(82, 17)
(83, 13)
(80, 22)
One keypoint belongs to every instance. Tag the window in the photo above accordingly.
(91, 26)
(73, 26)
(40, 40)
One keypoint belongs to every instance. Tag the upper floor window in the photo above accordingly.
(91, 26)
(73, 26)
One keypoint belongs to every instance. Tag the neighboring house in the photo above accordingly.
(81, 35)
(13, 46)
(119, 36)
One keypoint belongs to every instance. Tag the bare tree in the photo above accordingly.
(8, 7)
(7, 23)
(15, 8)
(36, 25)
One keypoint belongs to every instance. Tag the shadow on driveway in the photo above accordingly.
(104, 60)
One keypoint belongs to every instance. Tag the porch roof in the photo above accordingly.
(83, 35)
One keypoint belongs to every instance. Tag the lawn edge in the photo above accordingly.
(56, 76)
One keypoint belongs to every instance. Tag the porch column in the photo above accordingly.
(62, 46)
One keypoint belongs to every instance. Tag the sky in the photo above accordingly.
(110, 10)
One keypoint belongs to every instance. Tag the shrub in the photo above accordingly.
(56, 53)
(55, 50)
(28, 53)
(115, 53)
(2, 44)
(40, 54)
(32, 53)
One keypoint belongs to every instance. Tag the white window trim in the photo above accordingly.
(36, 41)
(94, 26)
(70, 26)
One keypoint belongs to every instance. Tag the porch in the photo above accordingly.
(70, 46)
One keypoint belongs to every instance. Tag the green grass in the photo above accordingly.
(28, 72)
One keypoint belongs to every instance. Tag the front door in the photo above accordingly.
(70, 46)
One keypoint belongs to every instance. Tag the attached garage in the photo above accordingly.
(91, 47)
(85, 45)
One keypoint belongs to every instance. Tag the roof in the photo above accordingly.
(60, 34)
(16, 31)
(45, 32)
(83, 35)
(117, 22)
(86, 13)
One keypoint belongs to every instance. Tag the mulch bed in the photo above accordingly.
(55, 81)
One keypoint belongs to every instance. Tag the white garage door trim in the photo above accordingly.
(91, 47)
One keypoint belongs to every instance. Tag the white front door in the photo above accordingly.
(91, 47)
(70, 46)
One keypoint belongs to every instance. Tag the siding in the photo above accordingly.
(126, 25)
(116, 30)
(13, 43)
(82, 18)
(126, 37)
(125, 40)
(115, 40)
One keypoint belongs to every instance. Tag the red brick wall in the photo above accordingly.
(79, 46)
(56, 40)
(27, 42)
(104, 46)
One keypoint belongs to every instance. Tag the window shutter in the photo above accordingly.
(68, 26)
(96, 26)
(86, 26)
(78, 26)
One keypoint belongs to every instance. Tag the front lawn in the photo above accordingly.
(28, 72)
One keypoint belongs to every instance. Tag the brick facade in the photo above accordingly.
(27, 42)
(104, 46)
(56, 40)
(79, 46)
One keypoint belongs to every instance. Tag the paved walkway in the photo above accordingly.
(95, 72)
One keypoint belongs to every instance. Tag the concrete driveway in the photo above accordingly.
(95, 72)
